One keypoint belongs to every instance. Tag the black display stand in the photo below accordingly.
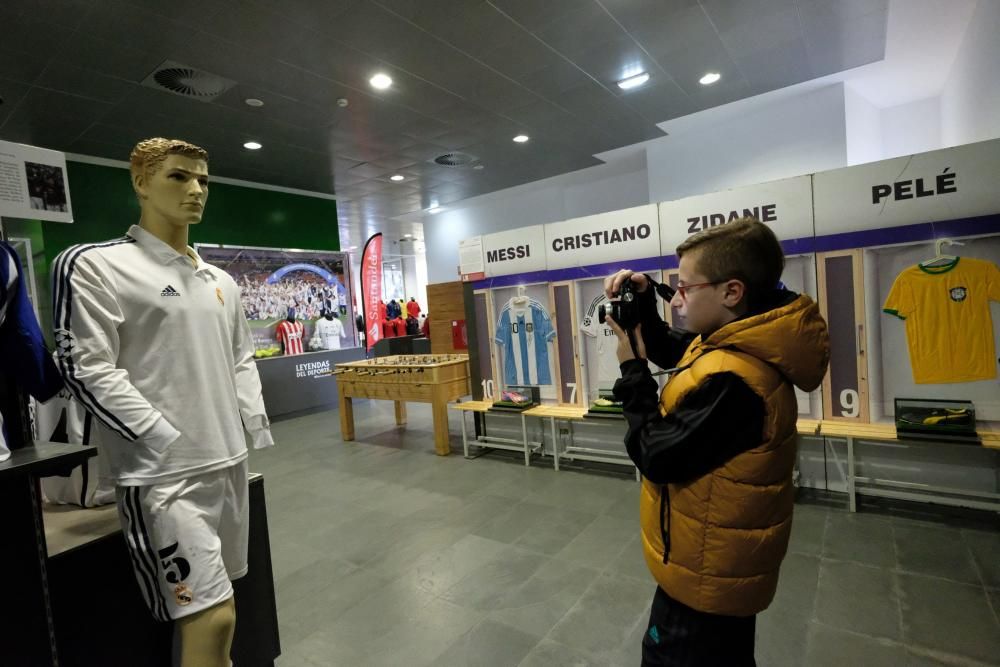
(103, 620)
(29, 631)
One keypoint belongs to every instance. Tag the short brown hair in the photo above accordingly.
(745, 250)
(148, 155)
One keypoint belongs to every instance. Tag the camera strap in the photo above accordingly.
(665, 291)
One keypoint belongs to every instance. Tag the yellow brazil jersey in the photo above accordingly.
(948, 325)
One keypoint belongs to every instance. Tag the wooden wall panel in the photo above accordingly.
(444, 304)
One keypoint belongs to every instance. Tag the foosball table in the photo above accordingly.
(422, 378)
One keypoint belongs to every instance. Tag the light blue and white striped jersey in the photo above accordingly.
(524, 331)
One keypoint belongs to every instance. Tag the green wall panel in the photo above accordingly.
(104, 206)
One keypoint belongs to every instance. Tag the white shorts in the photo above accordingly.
(187, 539)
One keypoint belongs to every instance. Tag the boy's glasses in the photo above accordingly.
(683, 289)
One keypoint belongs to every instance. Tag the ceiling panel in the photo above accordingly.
(468, 75)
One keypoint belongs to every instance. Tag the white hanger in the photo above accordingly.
(940, 256)
(521, 297)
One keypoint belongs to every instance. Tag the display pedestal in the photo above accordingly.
(101, 618)
(27, 621)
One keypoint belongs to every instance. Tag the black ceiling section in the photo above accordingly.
(468, 75)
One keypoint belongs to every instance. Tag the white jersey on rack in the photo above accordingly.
(608, 370)
(329, 333)
(155, 345)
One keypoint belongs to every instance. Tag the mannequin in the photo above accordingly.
(290, 333)
(329, 331)
(170, 407)
(412, 307)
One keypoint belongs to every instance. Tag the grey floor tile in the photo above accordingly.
(599, 543)
(368, 536)
(938, 552)
(309, 579)
(781, 639)
(830, 647)
(438, 570)
(484, 588)
(511, 523)
(808, 529)
(782, 628)
(605, 615)
(952, 617)
(630, 562)
(539, 603)
(858, 598)
(860, 538)
(489, 644)
(985, 549)
(555, 530)
(553, 654)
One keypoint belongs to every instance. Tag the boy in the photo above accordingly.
(153, 342)
(716, 450)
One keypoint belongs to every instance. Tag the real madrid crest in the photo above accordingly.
(958, 293)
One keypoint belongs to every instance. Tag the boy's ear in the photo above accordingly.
(735, 294)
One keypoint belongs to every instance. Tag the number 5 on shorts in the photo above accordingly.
(176, 568)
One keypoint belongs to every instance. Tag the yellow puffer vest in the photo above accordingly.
(715, 543)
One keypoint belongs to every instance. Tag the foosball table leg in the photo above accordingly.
(442, 439)
(346, 418)
(400, 413)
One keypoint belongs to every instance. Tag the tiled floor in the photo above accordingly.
(385, 554)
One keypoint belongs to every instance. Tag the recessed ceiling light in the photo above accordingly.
(633, 81)
(380, 81)
(479, 167)
(434, 209)
(521, 138)
(253, 146)
(396, 177)
(407, 236)
(709, 78)
(254, 102)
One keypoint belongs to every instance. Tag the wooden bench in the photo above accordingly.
(885, 488)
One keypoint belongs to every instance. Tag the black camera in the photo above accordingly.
(624, 309)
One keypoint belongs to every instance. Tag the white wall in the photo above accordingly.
(911, 128)
(787, 138)
(970, 105)
(863, 125)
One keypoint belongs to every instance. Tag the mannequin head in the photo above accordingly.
(290, 316)
(170, 178)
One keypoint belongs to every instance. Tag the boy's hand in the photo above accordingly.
(625, 351)
(613, 282)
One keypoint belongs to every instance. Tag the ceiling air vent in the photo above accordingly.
(187, 81)
(455, 160)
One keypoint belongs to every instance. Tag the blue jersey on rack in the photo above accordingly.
(22, 348)
(524, 331)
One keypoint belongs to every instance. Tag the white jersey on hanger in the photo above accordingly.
(155, 345)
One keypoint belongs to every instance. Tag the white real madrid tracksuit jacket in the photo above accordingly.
(159, 351)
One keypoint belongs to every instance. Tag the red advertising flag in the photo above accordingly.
(371, 287)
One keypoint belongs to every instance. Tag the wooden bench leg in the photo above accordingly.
(400, 413)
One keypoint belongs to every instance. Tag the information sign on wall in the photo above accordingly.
(471, 264)
(785, 205)
(514, 251)
(598, 239)
(948, 184)
(33, 184)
